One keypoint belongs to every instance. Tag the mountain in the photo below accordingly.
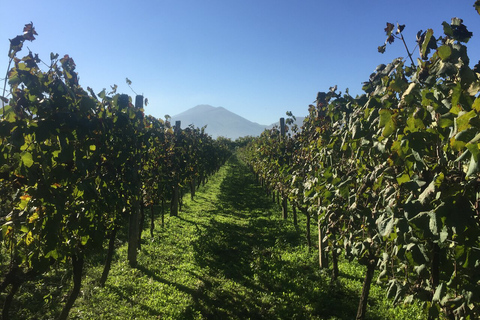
(219, 122)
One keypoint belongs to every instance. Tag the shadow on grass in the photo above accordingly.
(226, 246)
(251, 264)
(243, 245)
(240, 192)
(120, 293)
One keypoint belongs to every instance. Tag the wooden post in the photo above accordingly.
(139, 102)
(320, 245)
(294, 211)
(163, 212)
(178, 123)
(321, 254)
(134, 219)
(176, 187)
(307, 234)
(284, 196)
(282, 128)
(284, 207)
(335, 271)
(141, 221)
(192, 188)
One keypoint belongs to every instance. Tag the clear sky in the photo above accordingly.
(257, 58)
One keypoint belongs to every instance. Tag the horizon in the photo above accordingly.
(222, 107)
(220, 121)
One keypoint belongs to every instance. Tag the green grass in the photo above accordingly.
(228, 255)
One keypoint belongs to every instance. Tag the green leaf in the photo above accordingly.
(457, 145)
(447, 29)
(392, 289)
(420, 269)
(443, 234)
(426, 45)
(131, 113)
(444, 122)
(459, 252)
(85, 239)
(439, 292)
(52, 254)
(466, 135)
(463, 121)
(9, 114)
(385, 117)
(27, 159)
(456, 93)
(476, 104)
(433, 224)
(460, 31)
(385, 225)
(102, 94)
(473, 148)
(472, 167)
(386, 122)
(29, 238)
(414, 124)
(444, 52)
(403, 178)
(429, 190)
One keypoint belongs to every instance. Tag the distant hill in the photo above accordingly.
(219, 122)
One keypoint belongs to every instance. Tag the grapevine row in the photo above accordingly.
(393, 175)
(76, 166)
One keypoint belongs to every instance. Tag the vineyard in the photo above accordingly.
(391, 176)
(388, 181)
(76, 167)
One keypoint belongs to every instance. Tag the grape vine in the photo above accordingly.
(76, 166)
(393, 175)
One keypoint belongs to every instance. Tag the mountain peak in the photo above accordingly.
(202, 107)
(219, 122)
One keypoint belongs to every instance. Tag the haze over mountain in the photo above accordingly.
(221, 122)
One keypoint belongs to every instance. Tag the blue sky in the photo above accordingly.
(257, 58)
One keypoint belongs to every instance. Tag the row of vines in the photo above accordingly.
(75, 167)
(392, 176)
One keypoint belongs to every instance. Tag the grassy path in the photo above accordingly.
(220, 259)
(227, 256)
